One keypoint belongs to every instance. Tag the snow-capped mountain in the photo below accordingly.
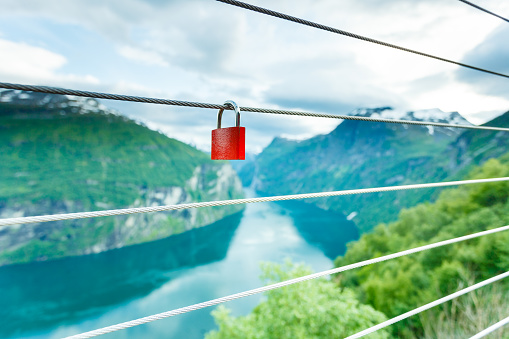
(65, 102)
(429, 115)
(373, 154)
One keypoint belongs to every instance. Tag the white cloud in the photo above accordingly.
(19, 59)
(138, 54)
(21, 62)
(460, 97)
(208, 51)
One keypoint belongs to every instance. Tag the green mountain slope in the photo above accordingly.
(475, 147)
(363, 154)
(60, 155)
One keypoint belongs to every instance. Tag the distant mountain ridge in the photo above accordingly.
(429, 115)
(62, 154)
(370, 154)
(51, 101)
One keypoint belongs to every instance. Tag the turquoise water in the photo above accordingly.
(64, 297)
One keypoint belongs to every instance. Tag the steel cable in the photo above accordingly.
(348, 34)
(428, 306)
(217, 301)
(484, 10)
(98, 95)
(83, 215)
(490, 329)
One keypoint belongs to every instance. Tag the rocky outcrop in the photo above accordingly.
(102, 234)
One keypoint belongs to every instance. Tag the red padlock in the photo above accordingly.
(229, 143)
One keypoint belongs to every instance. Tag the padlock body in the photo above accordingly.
(229, 143)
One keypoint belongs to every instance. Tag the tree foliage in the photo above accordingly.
(399, 285)
(310, 309)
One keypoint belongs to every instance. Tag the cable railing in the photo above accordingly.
(182, 103)
(484, 10)
(491, 329)
(428, 306)
(134, 210)
(244, 294)
(300, 21)
(190, 308)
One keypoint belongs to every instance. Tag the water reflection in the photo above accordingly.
(40, 294)
(327, 230)
(66, 297)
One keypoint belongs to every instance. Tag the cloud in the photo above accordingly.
(492, 54)
(22, 59)
(138, 54)
(21, 62)
(207, 51)
(189, 34)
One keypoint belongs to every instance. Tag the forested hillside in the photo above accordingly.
(61, 154)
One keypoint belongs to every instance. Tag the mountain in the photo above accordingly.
(63, 154)
(474, 147)
(369, 154)
(429, 115)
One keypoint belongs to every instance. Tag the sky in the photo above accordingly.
(207, 51)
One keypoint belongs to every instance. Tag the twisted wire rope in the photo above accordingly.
(483, 9)
(83, 215)
(109, 96)
(490, 329)
(258, 290)
(349, 34)
(428, 306)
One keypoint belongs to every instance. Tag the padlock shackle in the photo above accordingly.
(235, 108)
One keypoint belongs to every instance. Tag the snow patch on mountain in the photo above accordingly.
(428, 115)
(78, 104)
(437, 115)
(67, 104)
(5, 96)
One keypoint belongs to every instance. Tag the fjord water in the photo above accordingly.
(68, 296)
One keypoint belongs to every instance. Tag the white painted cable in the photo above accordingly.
(82, 215)
(490, 329)
(217, 301)
(427, 306)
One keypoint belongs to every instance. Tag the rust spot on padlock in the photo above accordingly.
(229, 143)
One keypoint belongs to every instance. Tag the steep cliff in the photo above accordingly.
(61, 154)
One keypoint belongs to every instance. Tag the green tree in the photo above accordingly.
(310, 309)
